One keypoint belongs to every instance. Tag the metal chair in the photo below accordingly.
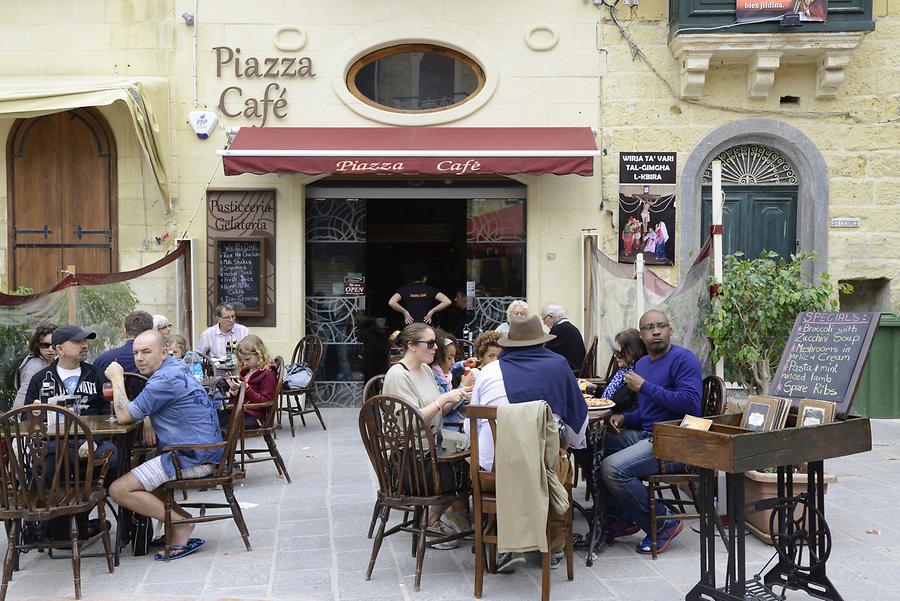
(713, 403)
(411, 475)
(266, 429)
(224, 476)
(42, 477)
(309, 350)
(484, 485)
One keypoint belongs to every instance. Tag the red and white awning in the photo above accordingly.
(443, 151)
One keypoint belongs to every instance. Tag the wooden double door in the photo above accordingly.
(756, 219)
(62, 197)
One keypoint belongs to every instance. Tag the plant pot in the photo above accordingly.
(762, 485)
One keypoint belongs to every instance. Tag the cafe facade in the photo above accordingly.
(315, 154)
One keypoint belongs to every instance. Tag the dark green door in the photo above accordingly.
(756, 218)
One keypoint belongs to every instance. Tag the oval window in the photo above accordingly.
(415, 78)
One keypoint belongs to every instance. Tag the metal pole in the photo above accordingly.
(639, 281)
(717, 201)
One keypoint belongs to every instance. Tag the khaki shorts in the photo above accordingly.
(151, 474)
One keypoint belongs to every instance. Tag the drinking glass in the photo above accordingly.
(108, 395)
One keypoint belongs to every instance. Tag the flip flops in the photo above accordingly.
(670, 530)
(179, 551)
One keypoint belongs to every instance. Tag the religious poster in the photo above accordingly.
(773, 10)
(647, 207)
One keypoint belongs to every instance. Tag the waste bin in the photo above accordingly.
(878, 394)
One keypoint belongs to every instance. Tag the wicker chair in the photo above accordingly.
(224, 476)
(309, 350)
(401, 448)
(35, 488)
(266, 430)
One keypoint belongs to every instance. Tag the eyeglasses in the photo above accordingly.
(429, 343)
(654, 326)
(164, 326)
(44, 345)
(618, 354)
(227, 317)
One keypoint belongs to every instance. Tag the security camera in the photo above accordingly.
(188, 18)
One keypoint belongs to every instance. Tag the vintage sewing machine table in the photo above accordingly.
(799, 530)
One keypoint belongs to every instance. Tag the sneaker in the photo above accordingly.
(438, 530)
(555, 559)
(457, 522)
(507, 563)
(620, 529)
(670, 529)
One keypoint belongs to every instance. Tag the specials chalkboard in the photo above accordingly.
(824, 358)
(240, 265)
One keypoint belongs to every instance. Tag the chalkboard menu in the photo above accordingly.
(824, 358)
(240, 265)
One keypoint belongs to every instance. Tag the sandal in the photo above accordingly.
(182, 550)
(670, 530)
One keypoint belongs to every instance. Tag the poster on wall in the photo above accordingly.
(773, 10)
(647, 207)
(240, 254)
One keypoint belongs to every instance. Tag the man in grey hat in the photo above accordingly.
(526, 371)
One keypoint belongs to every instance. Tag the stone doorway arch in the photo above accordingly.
(796, 147)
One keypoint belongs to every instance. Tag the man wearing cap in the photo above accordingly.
(72, 375)
(526, 371)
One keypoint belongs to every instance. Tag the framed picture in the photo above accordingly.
(813, 412)
(760, 413)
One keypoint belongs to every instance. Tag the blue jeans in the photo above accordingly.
(628, 458)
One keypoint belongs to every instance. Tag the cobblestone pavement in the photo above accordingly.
(309, 542)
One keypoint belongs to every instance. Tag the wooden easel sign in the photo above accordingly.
(824, 358)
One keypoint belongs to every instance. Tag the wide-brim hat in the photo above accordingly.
(524, 331)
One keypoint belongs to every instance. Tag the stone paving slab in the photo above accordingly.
(309, 542)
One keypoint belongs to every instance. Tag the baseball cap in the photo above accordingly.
(66, 333)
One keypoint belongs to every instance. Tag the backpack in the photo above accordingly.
(140, 531)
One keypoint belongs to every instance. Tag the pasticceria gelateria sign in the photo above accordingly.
(273, 102)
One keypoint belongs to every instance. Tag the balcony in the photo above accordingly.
(701, 35)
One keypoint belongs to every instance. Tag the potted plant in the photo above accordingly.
(749, 324)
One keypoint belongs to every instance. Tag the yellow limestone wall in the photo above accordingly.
(588, 78)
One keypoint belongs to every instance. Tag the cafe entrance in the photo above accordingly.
(364, 240)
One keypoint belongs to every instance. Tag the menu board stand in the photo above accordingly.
(240, 274)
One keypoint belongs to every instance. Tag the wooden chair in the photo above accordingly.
(713, 403)
(309, 350)
(484, 485)
(372, 388)
(401, 448)
(224, 476)
(35, 488)
(589, 365)
(265, 430)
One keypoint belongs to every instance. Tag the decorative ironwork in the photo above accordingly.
(752, 164)
(333, 318)
(336, 220)
(489, 312)
(339, 394)
(495, 220)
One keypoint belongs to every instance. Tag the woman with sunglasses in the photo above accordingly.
(40, 356)
(627, 349)
(412, 379)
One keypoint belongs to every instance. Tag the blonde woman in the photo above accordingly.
(255, 367)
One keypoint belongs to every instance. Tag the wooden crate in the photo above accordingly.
(729, 448)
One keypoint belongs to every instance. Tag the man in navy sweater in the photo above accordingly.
(668, 382)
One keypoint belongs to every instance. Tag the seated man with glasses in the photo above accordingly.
(668, 381)
(218, 340)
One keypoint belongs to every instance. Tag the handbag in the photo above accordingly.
(141, 533)
(297, 376)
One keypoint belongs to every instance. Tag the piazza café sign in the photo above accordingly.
(273, 102)
(435, 166)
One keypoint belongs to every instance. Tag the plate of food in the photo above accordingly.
(598, 404)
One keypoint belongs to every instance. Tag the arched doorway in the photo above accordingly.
(760, 211)
(810, 169)
(62, 197)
